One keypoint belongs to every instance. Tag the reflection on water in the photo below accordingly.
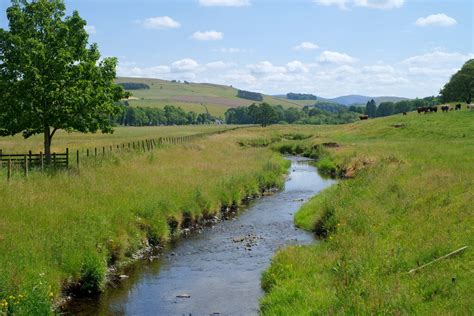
(220, 268)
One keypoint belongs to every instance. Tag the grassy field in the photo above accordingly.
(66, 228)
(410, 200)
(62, 139)
(193, 97)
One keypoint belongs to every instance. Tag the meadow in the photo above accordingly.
(121, 134)
(409, 200)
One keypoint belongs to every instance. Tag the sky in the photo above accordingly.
(329, 48)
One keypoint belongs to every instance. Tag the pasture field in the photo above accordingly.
(121, 134)
(410, 201)
(193, 96)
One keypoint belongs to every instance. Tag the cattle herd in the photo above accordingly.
(431, 109)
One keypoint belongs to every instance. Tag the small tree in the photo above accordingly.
(371, 108)
(49, 77)
(266, 115)
(461, 85)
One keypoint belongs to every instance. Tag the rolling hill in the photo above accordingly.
(347, 99)
(197, 97)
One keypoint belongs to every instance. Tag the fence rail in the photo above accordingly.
(62, 160)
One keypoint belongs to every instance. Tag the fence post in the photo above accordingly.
(41, 161)
(95, 151)
(54, 160)
(103, 150)
(67, 157)
(29, 158)
(1, 162)
(87, 152)
(25, 165)
(9, 171)
(77, 158)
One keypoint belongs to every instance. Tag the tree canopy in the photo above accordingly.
(50, 77)
(371, 108)
(461, 85)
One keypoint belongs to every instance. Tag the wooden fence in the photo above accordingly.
(29, 161)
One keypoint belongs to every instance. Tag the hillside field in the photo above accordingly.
(193, 96)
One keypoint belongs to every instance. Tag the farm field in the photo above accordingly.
(121, 134)
(193, 96)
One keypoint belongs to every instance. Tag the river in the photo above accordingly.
(216, 272)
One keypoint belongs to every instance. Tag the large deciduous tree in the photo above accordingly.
(371, 108)
(461, 85)
(50, 77)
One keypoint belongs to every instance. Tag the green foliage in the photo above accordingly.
(461, 85)
(385, 109)
(93, 274)
(50, 77)
(327, 166)
(300, 96)
(371, 108)
(134, 85)
(254, 96)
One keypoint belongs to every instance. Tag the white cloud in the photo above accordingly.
(90, 29)
(341, 4)
(183, 65)
(438, 58)
(380, 4)
(297, 66)
(306, 46)
(379, 69)
(219, 65)
(264, 68)
(208, 36)
(231, 50)
(373, 4)
(336, 58)
(439, 19)
(224, 3)
(160, 22)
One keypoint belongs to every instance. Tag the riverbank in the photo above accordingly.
(408, 202)
(217, 269)
(64, 230)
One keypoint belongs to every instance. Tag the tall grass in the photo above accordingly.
(66, 228)
(410, 201)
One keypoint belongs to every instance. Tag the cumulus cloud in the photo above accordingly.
(186, 64)
(160, 22)
(336, 58)
(438, 57)
(208, 36)
(439, 19)
(224, 3)
(380, 4)
(265, 68)
(341, 4)
(373, 4)
(219, 65)
(306, 46)
(90, 29)
(297, 66)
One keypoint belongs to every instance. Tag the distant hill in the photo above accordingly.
(197, 97)
(352, 99)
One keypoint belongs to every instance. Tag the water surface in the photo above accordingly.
(220, 268)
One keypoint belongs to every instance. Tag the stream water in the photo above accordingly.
(216, 272)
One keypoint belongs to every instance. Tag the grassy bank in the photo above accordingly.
(66, 228)
(410, 200)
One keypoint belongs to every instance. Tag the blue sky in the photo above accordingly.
(326, 47)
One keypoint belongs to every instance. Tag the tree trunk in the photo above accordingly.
(47, 145)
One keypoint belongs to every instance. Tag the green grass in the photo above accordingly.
(62, 139)
(409, 202)
(64, 229)
(194, 96)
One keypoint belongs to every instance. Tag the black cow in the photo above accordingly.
(363, 117)
(458, 107)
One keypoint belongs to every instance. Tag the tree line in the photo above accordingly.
(134, 86)
(300, 96)
(391, 108)
(169, 115)
(254, 96)
(265, 114)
